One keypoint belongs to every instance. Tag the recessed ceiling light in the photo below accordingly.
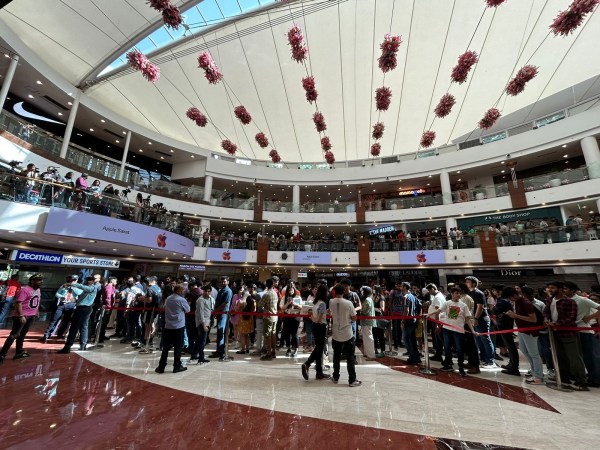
(6, 55)
(61, 242)
(117, 141)
(59, 113)
(11, 231)
(172, 151)
(29, 242)
(70, 103)
(149, 143)
(92, 241)
(141, 151)
(102, 120)
(91, 129)
(460, 179)
(429, 176)
(502, 171)
(565, 156)
(83, 249)
(162, 157)
(30, 96)
(194, 157)
(38, 82)
(428, 184)
(564, 146)
(114, 249)
(501, 162)
(458, 171)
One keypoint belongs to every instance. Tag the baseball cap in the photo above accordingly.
(36, 276)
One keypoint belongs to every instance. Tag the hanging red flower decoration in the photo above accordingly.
(383, 98)
(326, 144)
(151, 72)
(158, 5)
(444, 107)
(275, 156)
(194, 114)
(427, 139)
(376, 149)
(319, 121)
(308, 83)
(262, 140)
(524, 75)
(378, 130)
(494, 3)
(172, 17)
(229, 146)
(569, 20)
(465, 62)
(489, 118)
(296, 41)
(138, 61)
(211, 71)
(389, 48)
(329, 157)
(242, 114)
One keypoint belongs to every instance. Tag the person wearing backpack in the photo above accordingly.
(524, 316)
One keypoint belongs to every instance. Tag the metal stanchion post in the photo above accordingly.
(389, 338)
(427, 370)
(226, 357)
(99, 328)
(558, 386)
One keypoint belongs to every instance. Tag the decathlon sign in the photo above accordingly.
(26, 256)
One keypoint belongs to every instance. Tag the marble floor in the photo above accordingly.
(111, 398)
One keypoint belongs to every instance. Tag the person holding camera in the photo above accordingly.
(81, 317)
(66, 298)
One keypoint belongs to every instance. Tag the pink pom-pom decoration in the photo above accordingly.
(172, 17)
(389, 47)
(569, 20)
(194, 114)
(326, 143)
(262, 140)
(308, 83)
(319, 121)
(275, 156)
(329, 157)
(211, 71)
(465, 62)
(427, 139)
(489, 118)
(296, 41)
(229, 146)
(375, 149)
(151, 72)
(444, 107)
(524, 75)
(383, 98)
(242, 114)
(158, 5)
(494, 3)
(378, 130)
(137, 59)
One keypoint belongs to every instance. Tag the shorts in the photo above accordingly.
(269, 327)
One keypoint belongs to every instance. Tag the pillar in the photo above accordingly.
(296, 198)
(598, 209)
(10, 73)
(295, 230)
(208, 181)
(294, 275)
(204, 225)
(446, 189)
(591, 153)
(450, 223)
(125, 153)
(70, 123)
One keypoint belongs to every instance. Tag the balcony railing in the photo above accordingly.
(311, 207)
(557, 179)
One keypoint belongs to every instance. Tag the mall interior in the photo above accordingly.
(379, 141)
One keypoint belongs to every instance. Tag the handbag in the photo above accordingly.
(381, 323)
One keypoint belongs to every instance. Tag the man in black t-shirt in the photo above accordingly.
(481, 322)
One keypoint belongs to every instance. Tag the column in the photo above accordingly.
(446, 189)
(204, 225)
(294, 275)
(208, 181)
(296, 198)
(450, 223)
(125, 153)
(591, 153)
(70, 123)
(10, 73)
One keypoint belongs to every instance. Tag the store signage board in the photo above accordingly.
(225, 255)
(26, 256)
(302, 275)
(424, 257)
(192, 268)
(382, 230)
(65, 222)
(312, 257)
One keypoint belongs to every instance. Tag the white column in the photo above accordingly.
(446, 189)
(598, 209)
(70, 123)
(10, 73)
(296, 198)
(204, 225)
(208, 180)
(294, 275)
(450, 223)
(125, 153)
(591, 153)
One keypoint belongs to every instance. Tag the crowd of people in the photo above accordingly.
(264, 320)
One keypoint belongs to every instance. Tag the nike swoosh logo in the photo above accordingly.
(18, 108)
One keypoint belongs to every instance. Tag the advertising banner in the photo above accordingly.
(65, 222)
(312, 257)
(225, 255)
(27, 256)
(423, 257)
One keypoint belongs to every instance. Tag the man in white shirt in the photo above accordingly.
(344, 315)
(436, 300)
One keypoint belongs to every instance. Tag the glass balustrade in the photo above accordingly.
(479, 193)
(310, 207)
(557, 179)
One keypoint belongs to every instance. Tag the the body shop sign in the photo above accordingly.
(65, 222)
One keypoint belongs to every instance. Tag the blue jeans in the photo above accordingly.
(590, 349)
(221, 324)
(308, 329)
(410, 341)
(58, 314)
(80, 322)
(200, 343)
(5, 308)
(486, 347)
(453, 338)
(544, 348)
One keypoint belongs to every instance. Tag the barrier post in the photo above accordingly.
(99, 328)
(558, 386)
(426, 370)
(389, 339)
(226, 357)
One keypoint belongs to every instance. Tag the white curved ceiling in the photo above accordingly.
(74, 36)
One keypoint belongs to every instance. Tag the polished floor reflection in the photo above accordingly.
(111, 398)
